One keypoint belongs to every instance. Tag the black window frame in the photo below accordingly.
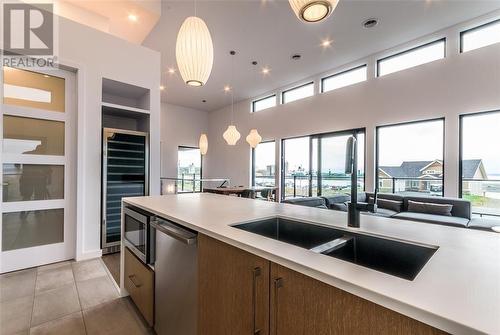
(462, 33)
(264, 98)
(322, 88)
(201, 161)
(253, 160)
(460, 150)
(377, 145)
(294, 88)
(443, 39)
(354, 132)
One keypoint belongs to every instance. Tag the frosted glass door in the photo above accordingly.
(38, 168)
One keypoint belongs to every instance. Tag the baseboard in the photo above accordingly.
(89, 255)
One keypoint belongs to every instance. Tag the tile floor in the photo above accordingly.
(66, 298)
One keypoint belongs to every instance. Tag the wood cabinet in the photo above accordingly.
(233, 290)
(240, 293)
(139, 282)
(301, 305)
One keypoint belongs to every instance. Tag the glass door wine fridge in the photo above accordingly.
(125, 169)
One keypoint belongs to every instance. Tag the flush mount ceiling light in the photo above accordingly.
(313, 10)
(326, 43)
(194, 51)
(254, 138)
(132, 17)
(203, 144)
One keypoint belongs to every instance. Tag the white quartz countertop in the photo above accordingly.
(458, 290)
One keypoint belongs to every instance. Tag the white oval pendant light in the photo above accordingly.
(231, 135)
(313, 10)
(194, 51)
(203, 144)
(254, 138)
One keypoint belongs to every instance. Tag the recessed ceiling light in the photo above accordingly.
(370, 23)
(227, 88)
(132, 17)
(171, 70)
(266, 70)
(162, 87)
(326, 43)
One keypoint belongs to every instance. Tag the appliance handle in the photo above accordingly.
(138, 216)
(180, 234)
(255, 273)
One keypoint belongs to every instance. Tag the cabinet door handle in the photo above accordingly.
(278, 283)
(132, 279)
(255, 273)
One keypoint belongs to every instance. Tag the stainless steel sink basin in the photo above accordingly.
(301, 234)
(398, 258)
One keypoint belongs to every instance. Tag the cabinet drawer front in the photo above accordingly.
(139, 282)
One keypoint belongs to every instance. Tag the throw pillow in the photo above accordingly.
(393, 205)
(429, 208)
(339, 207)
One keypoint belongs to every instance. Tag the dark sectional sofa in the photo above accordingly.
(408, 208)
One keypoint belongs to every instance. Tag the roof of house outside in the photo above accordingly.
(413, 169)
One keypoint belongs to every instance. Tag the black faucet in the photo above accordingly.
(351, 167)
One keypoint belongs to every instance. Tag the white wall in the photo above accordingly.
(461, 83)
(96, 55)
(180, 126)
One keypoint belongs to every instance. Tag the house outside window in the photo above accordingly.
(402, 150)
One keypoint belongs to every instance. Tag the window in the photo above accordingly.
(343, 79)
(481, 36)
(189, 170)
(34, 90)
(24, 135)
(263, 164)
(315, 165)
(296, 93)
(264, 103)
(480, 161)
(413, 57)
(410, 158)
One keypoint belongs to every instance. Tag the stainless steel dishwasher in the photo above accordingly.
(176, 277)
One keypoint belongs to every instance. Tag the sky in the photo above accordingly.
(188, 156)
(481, 139)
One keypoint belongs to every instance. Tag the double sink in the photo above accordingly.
(394, 257)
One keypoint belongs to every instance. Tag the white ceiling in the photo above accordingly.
(269, 32)
(112, 16)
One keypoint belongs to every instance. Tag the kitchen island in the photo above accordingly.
(457, 291)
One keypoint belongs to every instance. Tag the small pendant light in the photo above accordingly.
(203, 143)
(232, 135)
(254, 138)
